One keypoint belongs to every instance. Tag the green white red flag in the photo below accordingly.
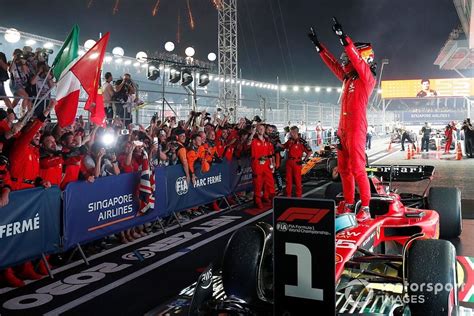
(84, 73)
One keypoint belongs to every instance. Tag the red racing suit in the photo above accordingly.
(358, 84)
(449, 138)
(262, 173)
(294, 163)
(25, 160)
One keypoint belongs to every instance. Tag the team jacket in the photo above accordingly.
(296, 148)
(24, 159)
(357, 88)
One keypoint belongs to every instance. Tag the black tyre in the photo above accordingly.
(431, 277)
(447, 202)
(333, 170)
(332, 190)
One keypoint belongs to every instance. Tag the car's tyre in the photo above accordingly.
(332, 190)
(333, 170)
(431, 277)
(447, 202)
(247, 266)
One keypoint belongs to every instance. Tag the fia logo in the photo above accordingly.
(181, 186)
(282, 227)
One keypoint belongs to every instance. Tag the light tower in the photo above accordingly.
(227, 45)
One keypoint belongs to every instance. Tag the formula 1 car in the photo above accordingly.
(390, 264)
(322, 163)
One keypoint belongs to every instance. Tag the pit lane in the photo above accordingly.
(155, 277)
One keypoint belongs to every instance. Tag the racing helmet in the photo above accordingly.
(366, 52)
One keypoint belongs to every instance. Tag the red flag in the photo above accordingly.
(84, 73)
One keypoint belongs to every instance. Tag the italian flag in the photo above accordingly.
(73, 72)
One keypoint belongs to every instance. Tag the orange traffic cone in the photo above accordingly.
(389, 146)
(413, 152)
(458, 151)
(418, 149)
(409, 152)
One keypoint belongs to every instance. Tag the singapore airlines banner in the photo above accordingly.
(428, 88)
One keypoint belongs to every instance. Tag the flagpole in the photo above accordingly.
(42, 86)
(39, 102)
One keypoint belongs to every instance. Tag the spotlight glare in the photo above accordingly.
(89, 44)
(284, 88)
(48, 45)
(108, 59)
(127, 62)
(212, 56)
(328, 89)
(12, 35)
(30, 42)
(118, 51)
(296, 88)
(190, 52)
(339, 89)
(317, 89)
(141, 56)
(169, 46)
(306, 89)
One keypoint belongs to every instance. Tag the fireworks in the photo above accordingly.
(190, 15)
(155, 8)
(217, 4)
(116, 7)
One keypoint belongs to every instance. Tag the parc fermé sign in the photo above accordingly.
(304, 252)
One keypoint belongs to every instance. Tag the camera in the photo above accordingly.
(42, 54)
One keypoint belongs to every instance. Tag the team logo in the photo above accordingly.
(282, 227)
(338, 258)
(181, 186)
(312, 216)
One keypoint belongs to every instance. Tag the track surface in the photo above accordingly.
(133, 279)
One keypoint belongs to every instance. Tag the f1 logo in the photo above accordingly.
(313, 216)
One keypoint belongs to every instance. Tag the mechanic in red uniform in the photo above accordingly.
(295, 147)
(262, 166)
(357, 72)
(449, 136)
(51, 162)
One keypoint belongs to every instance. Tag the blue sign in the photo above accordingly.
(432, 117)
(181, 195)
(241, 175)
(29, 225)
(107, 206)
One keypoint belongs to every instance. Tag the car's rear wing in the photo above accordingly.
(402, 173)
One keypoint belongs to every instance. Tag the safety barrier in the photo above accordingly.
(30, 225)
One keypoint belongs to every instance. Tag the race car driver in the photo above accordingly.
(295, 146)
(357, 72)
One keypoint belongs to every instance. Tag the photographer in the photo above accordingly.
(124, 88)
(4, 77)
(43, 86)
(107, 94)
(99, 163)
(20, 74)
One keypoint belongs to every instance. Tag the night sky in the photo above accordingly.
(272, 33)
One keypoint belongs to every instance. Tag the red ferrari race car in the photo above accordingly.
(390, 264)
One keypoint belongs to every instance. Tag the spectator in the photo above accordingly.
(108, 94)
(20, 74)
(181, 152)
(3, 78)
(124, 89)
(43, 85)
